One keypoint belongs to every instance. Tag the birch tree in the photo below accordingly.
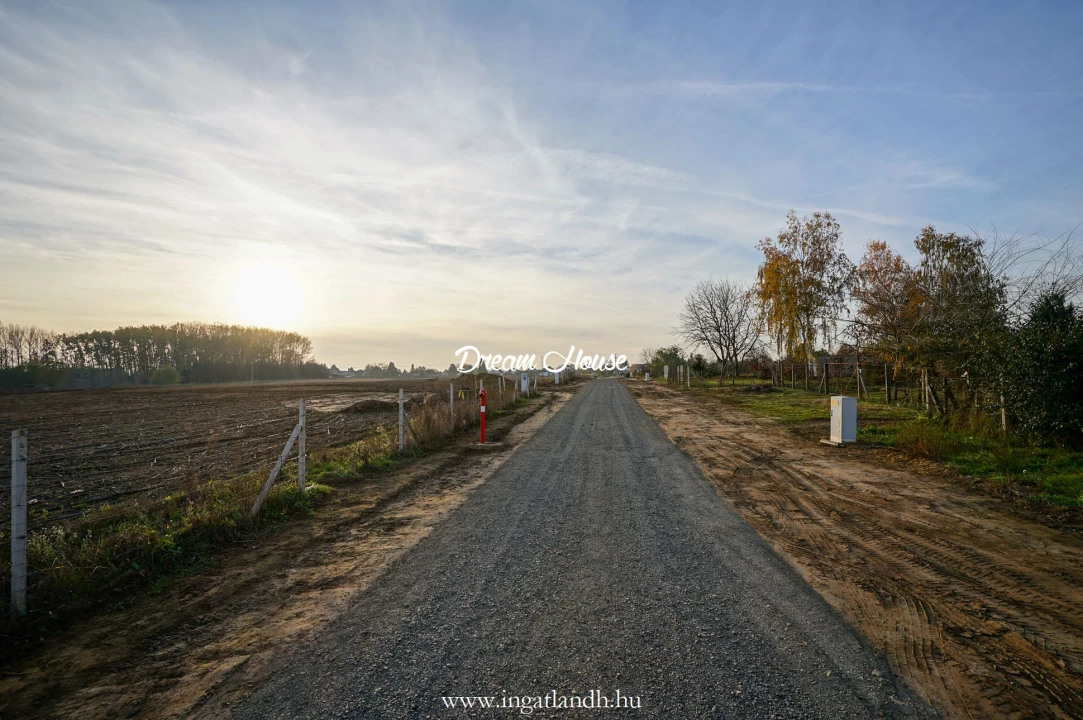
(802, 285)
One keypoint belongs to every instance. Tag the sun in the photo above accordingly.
(268, 295)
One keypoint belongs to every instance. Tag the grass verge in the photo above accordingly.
(113, 555)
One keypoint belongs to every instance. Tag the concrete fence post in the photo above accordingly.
(274, 472)
(301, 447)
(18, 524)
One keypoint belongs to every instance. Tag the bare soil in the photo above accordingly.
(193, 649)
(125, 445)
(978, 607)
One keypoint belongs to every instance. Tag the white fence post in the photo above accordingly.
(301, 448)
(400, 419)
(18, 524)
(451, 403)
(274, 472)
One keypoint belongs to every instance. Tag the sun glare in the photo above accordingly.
(268, 295)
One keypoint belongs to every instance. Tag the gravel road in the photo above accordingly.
(597, 558)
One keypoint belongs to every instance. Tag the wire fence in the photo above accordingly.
(889, 383)
(104, 453)
(872, 381)
(87, 450)
(120, 463)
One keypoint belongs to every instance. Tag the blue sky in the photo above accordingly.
(400, 179)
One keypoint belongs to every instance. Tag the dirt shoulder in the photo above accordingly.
(979, 609)
(192, 650)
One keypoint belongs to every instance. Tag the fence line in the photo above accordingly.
(869, 380)
(69, 480)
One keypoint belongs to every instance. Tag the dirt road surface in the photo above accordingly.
(596, 557)
(979, 608)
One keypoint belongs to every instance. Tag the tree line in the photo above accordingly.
(190, 352)
(996, 312)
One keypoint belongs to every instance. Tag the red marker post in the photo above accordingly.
(481, 396)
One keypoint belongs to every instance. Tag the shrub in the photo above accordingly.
(166, 375)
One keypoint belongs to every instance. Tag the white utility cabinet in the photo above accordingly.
(843, 419)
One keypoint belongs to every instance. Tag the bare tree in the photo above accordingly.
(15, 337)
(722, 316)
(1032, 266)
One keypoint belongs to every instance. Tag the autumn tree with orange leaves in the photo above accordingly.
(888, 302)
(802, 285)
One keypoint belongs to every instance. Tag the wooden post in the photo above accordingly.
(18, 523)
(925, 390)
(301, 448)
(451, 402)
(1003, 421)
(887, 386)
(827, 378)
(401, 418)
(806, 374)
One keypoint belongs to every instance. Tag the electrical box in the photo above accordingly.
(843, 419)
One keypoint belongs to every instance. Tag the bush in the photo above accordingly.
(30, 376)
(167, 375)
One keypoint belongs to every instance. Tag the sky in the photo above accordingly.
(396, 180)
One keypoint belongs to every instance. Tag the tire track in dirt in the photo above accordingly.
(977, 608)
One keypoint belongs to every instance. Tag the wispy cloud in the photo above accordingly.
(408, 176)
(721, 89)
